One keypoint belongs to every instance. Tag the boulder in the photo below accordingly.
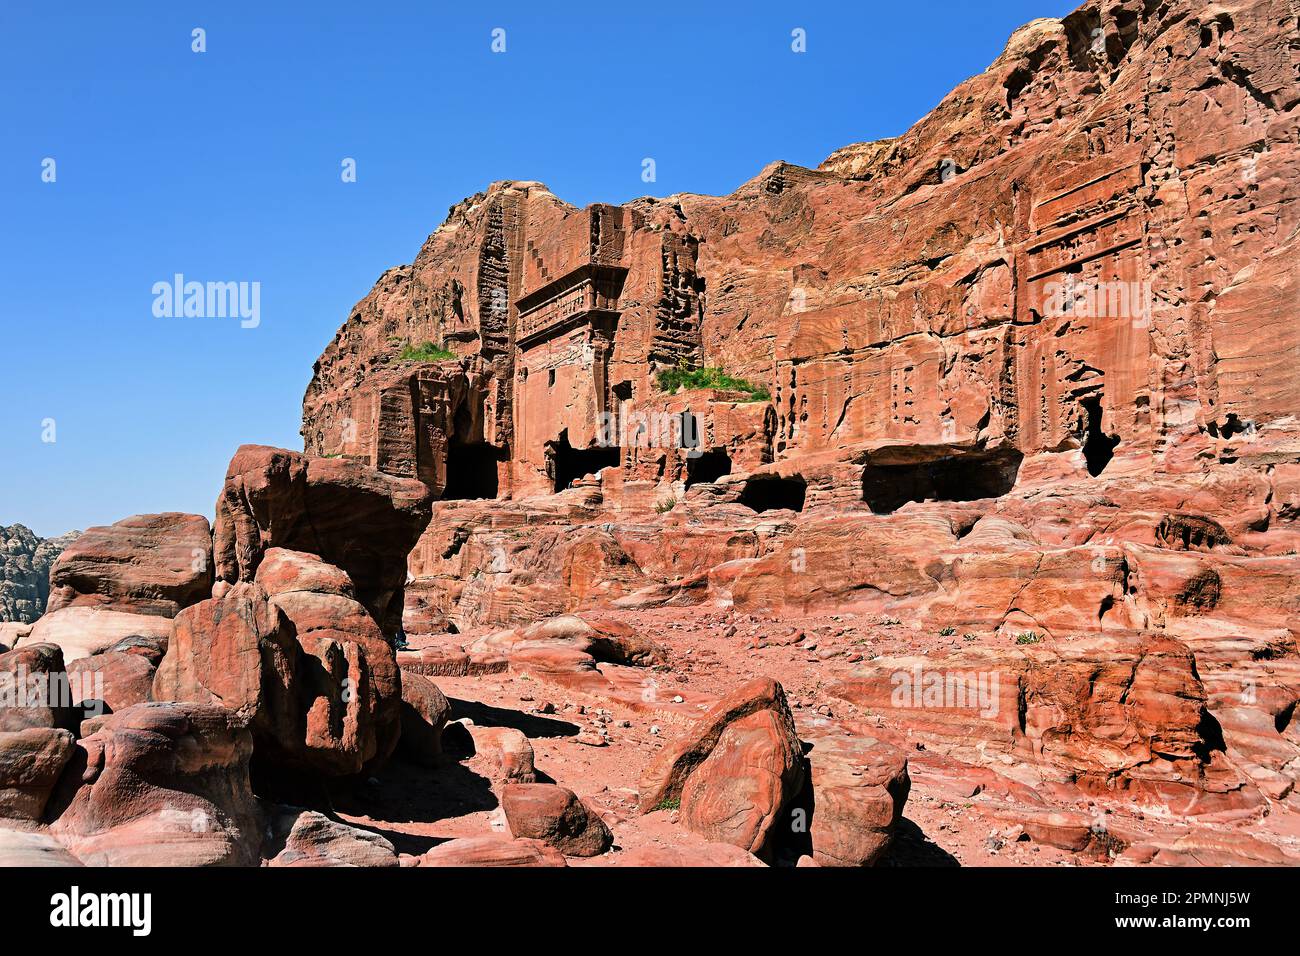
(163, 784)
(306, 838)
(502, 754)
(424, 713)
(119, 676)
(239, 652)
(35, 690)
(492, 851)
(150, 564)
(310, 673)
(31, 762)
(735, 771)
(354, 517)
(554, 815)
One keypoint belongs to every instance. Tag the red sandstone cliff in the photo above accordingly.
(1033, 369)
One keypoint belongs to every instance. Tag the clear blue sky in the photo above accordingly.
(225, 166)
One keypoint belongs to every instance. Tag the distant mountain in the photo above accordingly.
(25, 561)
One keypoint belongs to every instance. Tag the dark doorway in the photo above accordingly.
(471, 471)
(569, 463)
(706, 467)
(772, 492)
(968, 477)
(1098, 447)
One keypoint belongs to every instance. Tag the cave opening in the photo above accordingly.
(569, 464)
(966, 477)
(471, 471)
(774, 492)
(1098, 447)
(707, 467)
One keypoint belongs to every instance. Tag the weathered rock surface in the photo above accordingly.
(710, 855)
(492, 851)
(146, 564)
(35, 690)
(31, 762)
(20, 848)
(163, 784)
(554, 815)
(309, 672)
(859, 787)
(424, 713)
(307, 838)
(504, 754)
(735, 771)
(119, 676)
(353, 517)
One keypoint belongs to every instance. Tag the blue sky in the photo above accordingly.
(225, 166)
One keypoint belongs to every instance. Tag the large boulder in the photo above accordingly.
(554, 815)
(310, 672)
(31, 762)
(150, 564)
(163, 784)
(425, 710)
(859, 787)
(35, 690)
(352, 516)
(238, 652)
(735, 771)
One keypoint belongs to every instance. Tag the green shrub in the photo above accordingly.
(669, 803)
(663, 507)
(670, 380)
(1027, 637)
(948, 631)
(426, 352)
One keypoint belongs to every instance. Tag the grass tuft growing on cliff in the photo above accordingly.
(670, 380)
(426, 352)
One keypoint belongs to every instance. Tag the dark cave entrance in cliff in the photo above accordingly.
(969, 477)
(569, 464)
(707, 467)
(774, 492)
(471, 471)
(1098, 447)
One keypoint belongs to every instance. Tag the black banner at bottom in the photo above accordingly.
(341, 906)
